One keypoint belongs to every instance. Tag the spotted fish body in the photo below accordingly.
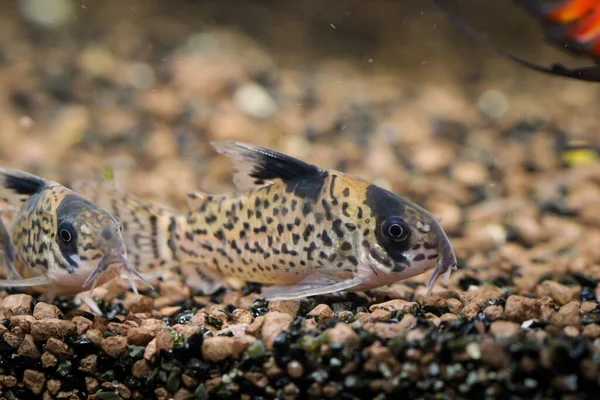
(301, 229)
(59, 242)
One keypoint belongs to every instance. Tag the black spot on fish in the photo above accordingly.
(346, 246)
(337, 228)
(280, 228)
(346, 192)
(326, 239)
(295, 238)
(352, 260)
(419, 257)
(307, 208)
(432, 256)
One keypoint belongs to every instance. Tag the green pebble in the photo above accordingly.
(334, 362)
(173, 381)
(64, 368)
(256, 349)
(136, 352)
(108, 396)
(200, 392)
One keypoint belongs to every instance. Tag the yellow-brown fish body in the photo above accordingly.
(59, 242)
(299, 228)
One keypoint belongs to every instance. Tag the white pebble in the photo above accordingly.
(141, 76)
(493, 103)
(47, 13)
(253, 99)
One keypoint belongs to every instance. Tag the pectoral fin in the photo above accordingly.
(309, 286)
(8, 248)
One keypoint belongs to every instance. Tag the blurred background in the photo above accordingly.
(386, 89)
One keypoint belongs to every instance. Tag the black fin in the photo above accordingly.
(587, 74)
(20, 182)
(258, 166)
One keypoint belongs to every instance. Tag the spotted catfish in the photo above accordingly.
(59, 242)
(302, 229)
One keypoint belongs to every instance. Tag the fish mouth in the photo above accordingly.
(445, 265)
(117, 261)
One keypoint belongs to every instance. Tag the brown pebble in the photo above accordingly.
(329, 391)
(58, 348)
(45, 310)
(114, 346)
(15, 337)
(454, 305)
(295, 369)
(571, 331)
(504, 329)
(141, 368)
(558, 292)
(520, 309)
(91, 384)
(95, 336)
(140, 336)
(321, 313)
(164, 340)
(169, 311)
(378, 315)
(49, 360)
(162, 393)
(52, 327)
(53, 386)
(258, 379)
(89, 363)
(118, 328)
(28, 348)
(493, 312)
(341, 333)
(587, 306)
(219, 348)
(16, 304)
(448, 317)
(396, 304)
(82, 324)
(183, 394)
(242, 316)
(471, 310)
(9, 381)
(274, 325)
(144, 304)
(22, 321)
(591, 330)
(492, 353)
(436, 301)
(34, 380)
(290, 391)
(188, 381)
(289, 307)
(388, 331)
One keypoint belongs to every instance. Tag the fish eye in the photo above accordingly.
(395, 229)
(65, 232)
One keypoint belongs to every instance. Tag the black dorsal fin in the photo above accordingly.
(20, 182)
(258, 166)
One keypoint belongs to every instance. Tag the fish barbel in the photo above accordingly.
(299, 228)
(58, 242)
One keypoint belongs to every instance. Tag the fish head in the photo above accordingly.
(405, 239)
(88, 245)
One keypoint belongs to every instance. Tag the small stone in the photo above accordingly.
(295, 369)
(45, 310)
(591, 330)
(89, 363)
(9, 381)
(341, 333)
(454, 305)
(378, 315)
(255, 326)
(15, 337)
(321, 313)
(53, 386)
(144, 304)
(258, 379)
(183, 394)
(219, 348)
(493, 312)
(169, 311)
(254, 100)
(492, 353)
(34, 380)
(150, 350)
(140, 336)
(58, 348)
(504, 329)
(520, 309)
(118, 328)
(242, 316)
(164, 340)
(52, 327)
(114, 346)
(28, 348)
(558, 292)
(16, 304)
(571, 331)
(91, 384)
(449, 317)
(82, 324)
(388, 331)
(289, 307)
(274, 325)
(587, 306)
(393, 305)
(49, 360)
(141, 368)
(95, 336)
